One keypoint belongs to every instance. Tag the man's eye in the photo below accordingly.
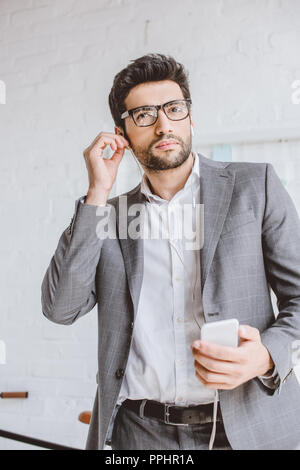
(176, 108)
(141, 115)
(144, 114)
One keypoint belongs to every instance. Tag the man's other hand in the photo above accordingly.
(222, 367)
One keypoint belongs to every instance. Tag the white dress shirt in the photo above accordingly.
(161, 365)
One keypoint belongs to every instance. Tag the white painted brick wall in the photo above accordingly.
(58, 59)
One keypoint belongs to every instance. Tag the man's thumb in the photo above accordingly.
(248, 332)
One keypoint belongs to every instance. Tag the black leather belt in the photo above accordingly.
(171, 414)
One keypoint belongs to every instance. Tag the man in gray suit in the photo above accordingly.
(159, 386)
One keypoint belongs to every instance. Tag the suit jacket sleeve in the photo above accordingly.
(270, 379)
(68, 288)
(281, 242)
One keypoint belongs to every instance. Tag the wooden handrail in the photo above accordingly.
(33, 441)
(85, 417)
(14, 395)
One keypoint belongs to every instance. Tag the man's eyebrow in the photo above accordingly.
(151, 105)
(144, 106)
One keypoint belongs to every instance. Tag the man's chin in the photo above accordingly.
(166, 154)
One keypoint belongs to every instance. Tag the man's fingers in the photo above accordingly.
(109, 135)
(210, 376)
(118, 154)
(96, 148)
(116, 142)
(122, 140)
(214, 365)
(119, 151)
(217, 384)
(215, 351)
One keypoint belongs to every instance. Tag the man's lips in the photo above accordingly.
(167, 144)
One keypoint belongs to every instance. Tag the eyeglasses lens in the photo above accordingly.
(147, 115)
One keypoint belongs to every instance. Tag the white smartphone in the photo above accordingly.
(223, 332)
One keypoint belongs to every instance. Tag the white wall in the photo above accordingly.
(58, 59)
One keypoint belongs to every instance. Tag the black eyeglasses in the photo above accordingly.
(144, 116)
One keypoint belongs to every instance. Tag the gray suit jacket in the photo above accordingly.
(251, 244)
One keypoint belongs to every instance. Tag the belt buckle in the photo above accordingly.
(166, 417)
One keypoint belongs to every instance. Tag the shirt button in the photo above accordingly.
(179, 319)
(119, 373)
(179, 399)
(177, 279)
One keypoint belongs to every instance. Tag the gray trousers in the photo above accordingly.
(131, 432)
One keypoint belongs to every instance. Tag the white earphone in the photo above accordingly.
(192, 130)
(136, 161)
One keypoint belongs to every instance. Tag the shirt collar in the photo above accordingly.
(194, 176)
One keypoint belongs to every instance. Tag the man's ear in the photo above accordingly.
(119, 131)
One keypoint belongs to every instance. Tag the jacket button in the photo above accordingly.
(131, 325)
(119, 373)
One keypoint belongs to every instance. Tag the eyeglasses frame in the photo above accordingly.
(130, 112)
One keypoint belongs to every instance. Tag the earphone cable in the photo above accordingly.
(196, 277)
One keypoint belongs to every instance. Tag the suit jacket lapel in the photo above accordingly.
(216, 187)
(132, 249)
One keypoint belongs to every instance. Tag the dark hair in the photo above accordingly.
(149, 68)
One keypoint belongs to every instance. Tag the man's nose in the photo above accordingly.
(163, 124)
